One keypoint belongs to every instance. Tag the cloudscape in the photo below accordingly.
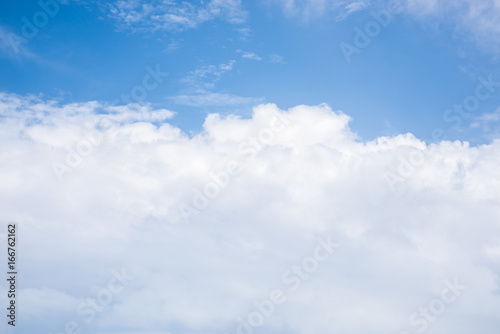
(241, 167)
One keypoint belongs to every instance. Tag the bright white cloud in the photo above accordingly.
(310, 178)
(173, 15)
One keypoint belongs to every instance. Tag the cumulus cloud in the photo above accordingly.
(304, 175)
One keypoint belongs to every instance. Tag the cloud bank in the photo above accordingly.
(106, 248)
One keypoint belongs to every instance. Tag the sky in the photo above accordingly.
(227, 56)
(240, 167)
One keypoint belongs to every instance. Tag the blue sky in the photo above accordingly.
(282, 52)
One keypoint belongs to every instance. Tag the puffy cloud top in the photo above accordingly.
(209, 224)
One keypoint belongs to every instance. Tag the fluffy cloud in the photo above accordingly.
(304, 176)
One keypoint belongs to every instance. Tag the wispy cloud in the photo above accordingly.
(157, 15)
(488, 117)
(352, 7)
(245, 33)
(306, 10)
(205, 77)
(200, 86)
(477, 20)
(276, 58)
(250, 55)
(215, 100)
(488, 124)
(13, 45)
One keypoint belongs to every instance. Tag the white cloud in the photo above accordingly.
(476, 20)
(200, 84)
(48, 300)
(276, 58)
(488, 124)
(487, 118)
(205, 77)
(171, 15)
(493, 252)
(245, 33)
(313, 178)
(353, 7)
(250, 55)
(215, 99)
(307, 10)
(13, 45)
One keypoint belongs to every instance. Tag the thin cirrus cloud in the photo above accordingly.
(251, 56)
(488, 124)
(312, 178)
(215, 100)
(205, 77)
(476, 20)
(307, 10)
(200, 84)
(158, 15)
(490, 117)
(11, 46)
